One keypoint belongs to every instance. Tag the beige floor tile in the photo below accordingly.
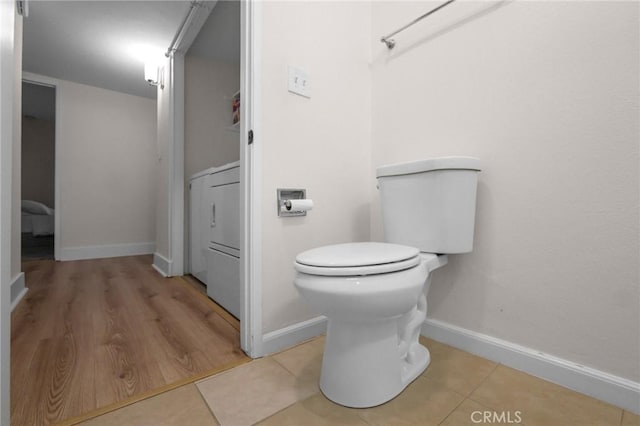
(630, 419)
(470, 413)
(315, 411)
(423, 402)
(252, 392)
(181, 406)
(541, 402)
(304, 361)
(455, 369)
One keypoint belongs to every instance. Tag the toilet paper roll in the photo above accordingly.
(297, 205)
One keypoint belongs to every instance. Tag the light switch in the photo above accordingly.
(299, 82)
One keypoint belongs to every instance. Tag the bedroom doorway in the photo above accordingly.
(38, 170)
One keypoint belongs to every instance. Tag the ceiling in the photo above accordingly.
(219, 37)
(100, 43)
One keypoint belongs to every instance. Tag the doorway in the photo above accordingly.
(250, 315)
(38, 171)
(212, 154)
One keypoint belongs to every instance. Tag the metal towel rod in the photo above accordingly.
(391, 43)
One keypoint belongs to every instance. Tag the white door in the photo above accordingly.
(8, 51)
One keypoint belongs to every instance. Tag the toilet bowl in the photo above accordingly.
(375, 294)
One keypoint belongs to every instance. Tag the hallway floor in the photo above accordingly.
(37, 248)
(456, 389)
(92, 333)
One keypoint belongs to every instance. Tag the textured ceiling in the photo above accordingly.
(99, 43)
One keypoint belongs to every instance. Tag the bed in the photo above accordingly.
(37, 218)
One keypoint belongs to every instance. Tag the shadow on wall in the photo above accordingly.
(461, 270)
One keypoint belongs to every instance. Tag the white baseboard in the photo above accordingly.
(18, 290)
(615, 390)
(99, 252)
(162, 265)
(275, 341)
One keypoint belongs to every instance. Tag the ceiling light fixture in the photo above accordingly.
(154, 74)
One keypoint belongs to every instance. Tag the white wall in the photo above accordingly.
(321, 144)
(546, 95)
(105, 167)
(209, 140)
(38, 155)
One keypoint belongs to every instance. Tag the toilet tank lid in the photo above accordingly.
(356, 254)
(429, 164)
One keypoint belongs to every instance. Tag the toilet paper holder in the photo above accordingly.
(285, 195)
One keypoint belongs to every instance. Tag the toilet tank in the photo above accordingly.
(430, 204)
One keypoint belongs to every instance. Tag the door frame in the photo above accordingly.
(251, 337)
(41, 80)
(7, 93)
(250, 168)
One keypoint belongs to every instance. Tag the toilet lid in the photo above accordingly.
(357, 259)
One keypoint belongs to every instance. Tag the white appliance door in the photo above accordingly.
(223, 284)
(224, 214)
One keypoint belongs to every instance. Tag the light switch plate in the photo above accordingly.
(299, 82)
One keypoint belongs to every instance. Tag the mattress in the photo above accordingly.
(37, 218)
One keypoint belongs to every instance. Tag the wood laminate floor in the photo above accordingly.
(91, 333)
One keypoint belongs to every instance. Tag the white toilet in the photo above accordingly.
(374, 294)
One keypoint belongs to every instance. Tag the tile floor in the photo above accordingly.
(455, 390)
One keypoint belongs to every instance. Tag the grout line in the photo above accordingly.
(469, 397)
(285, 368)
(364, 420)
(273, 357)
(279, 411)
(360, 410)
(454, 408)
(149, 394)
(207, 404)
(485, 379)
(216, 308)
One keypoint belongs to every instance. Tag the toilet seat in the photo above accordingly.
(357, 259)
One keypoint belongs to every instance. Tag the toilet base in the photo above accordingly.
(362, 364)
